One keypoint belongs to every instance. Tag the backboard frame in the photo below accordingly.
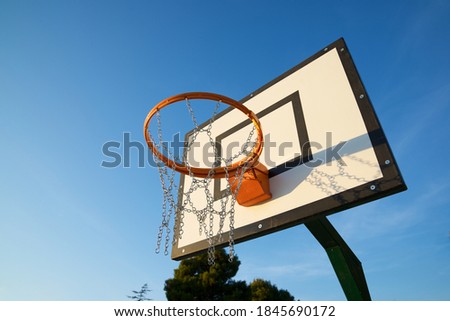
(391, 180)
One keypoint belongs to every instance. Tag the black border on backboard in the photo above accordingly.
(390, 183)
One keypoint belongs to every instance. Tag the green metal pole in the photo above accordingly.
(345, 263)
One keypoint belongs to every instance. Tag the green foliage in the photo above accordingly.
(195, 279)
(262, 290)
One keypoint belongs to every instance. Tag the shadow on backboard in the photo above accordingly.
(331, 170)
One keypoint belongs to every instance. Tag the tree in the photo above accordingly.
(262, 290)
(141, 294)
(195, 279)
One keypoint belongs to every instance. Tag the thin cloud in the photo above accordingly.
(302, 270)
(381, 219)
(428, 112)
(315, 265)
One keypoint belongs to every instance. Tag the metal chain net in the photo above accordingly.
(211, 216)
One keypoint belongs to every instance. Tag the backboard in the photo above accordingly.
(323, 146)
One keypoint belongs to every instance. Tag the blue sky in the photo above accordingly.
(77, 74)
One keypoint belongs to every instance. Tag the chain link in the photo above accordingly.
(328, 184)
(168, 185)
(177, 204)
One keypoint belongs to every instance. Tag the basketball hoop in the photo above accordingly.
(247, 180)
(219, 172)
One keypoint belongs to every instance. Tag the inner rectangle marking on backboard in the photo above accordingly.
(299, 154)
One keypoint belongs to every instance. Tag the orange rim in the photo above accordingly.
(219, 172)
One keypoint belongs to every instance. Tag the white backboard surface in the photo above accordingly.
(324, 148)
